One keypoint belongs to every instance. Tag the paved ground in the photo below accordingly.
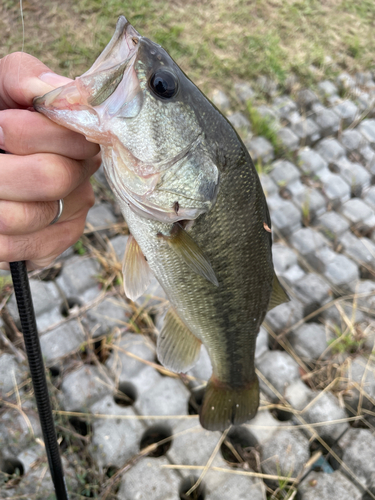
(315, 355)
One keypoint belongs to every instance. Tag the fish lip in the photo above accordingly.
(118, 52)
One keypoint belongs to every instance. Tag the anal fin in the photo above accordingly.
(278, 294)
(136, 271)
(177, 348)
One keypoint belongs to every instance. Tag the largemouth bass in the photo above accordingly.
(195, 208)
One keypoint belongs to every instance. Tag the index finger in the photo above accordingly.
(23, 77)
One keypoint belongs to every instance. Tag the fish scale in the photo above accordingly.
(195, 208)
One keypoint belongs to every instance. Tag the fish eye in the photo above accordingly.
(164, 84)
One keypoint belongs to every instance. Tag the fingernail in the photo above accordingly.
(2, 141)
(54, 80)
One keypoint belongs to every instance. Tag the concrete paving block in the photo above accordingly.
(285, 216)
(221, 100)
(295, 190)
(62, 341)
(360, 376)
(269, 114)
(193, 445)
(78, 275)
(360, 215)
(285, 453)
(359, 456)
(367, 129)
(202, 370)
(352, 140)
(347, 112)
(354, 174)
(280, 370)
(306, 98)
(327, 88)
(260, 149)
(310, 162)
(267, 85)
(261, 343)
(325, 407)
(331, 150)
(263, 425)
(114, 440)
(361, 250)
(335, 316)
(293, 118)
(289, 140)
(124, 367)
(298, 395)
(307, 131)
(15, 433)
(11, 373)
(293, 274)
(313, 291)
(309, 341)
(284, 172)
(107, 315)
(149, 480)
(269, 186)
(244, 92)
(312, 202)
(283, 257)
(144, 379)
(343, 273)
(332, 225)
(345, 82)
(167, 397)
(369, 197)
(100, 216)
(320, 485)
(336, 190)
(240, 123)
(307, 242)
(45, 296)
(284, 316)
(284, 106)
(227, 486)
(83, 387)
(366, 295)
(327, 121)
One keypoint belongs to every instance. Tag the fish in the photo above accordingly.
(195, 209)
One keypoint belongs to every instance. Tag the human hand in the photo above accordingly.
(47, 163)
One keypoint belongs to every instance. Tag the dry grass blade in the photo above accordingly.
(209, 462)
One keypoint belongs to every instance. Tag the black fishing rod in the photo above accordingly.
(34, 355)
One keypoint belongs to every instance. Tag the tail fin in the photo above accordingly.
(223, 406)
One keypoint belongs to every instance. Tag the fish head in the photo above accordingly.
(139, 106)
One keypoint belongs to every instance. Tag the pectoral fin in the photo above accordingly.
(278, 295)
(177, 348)
(186, 248)
(136, 271)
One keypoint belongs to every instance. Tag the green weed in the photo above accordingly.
(264, 126)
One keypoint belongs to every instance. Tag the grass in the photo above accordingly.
(264, 126)
(214, 45)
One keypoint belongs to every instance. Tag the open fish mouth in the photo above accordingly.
(106, 89)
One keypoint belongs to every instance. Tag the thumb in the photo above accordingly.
(23, 77)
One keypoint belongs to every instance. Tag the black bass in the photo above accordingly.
(195, 208)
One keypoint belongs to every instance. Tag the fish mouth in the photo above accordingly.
(106, 88)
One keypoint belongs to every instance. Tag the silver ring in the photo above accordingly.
(59, 213)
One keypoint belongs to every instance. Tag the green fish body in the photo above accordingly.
(194, 206)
